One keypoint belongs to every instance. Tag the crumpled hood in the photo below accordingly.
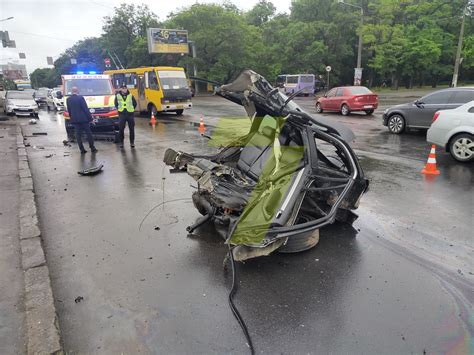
(22, 102)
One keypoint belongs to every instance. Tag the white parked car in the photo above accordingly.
(20, 103)
(453, 130)
(55, 100)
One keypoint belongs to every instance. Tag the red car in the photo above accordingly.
(347, 99)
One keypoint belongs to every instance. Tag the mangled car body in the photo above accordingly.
(273, 188)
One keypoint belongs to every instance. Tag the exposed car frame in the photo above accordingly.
(284, 204)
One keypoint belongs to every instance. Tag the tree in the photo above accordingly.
(262, 12)
(125, 28)
(43, 78)
(225, 43)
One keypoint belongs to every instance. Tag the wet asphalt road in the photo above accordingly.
(401, 281)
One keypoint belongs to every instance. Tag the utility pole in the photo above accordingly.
(193, 55)
(359, 49)
(358, 69)
(467, 11)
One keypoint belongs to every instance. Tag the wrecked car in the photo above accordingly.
(276, 186)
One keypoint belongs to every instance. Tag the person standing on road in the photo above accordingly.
(125, 104)
(81, 118)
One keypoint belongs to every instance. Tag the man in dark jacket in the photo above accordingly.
(126, 103)
(81, 118)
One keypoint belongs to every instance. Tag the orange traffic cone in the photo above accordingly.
(152, 119)
(201, 128)
(430, 167)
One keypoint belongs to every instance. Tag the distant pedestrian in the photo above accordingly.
(126, 103)
(81, 118)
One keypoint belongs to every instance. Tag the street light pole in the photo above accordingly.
(358, 70)
(8, 18)
(467, 10)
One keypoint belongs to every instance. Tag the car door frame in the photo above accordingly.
(339, 99)
(423, 115)
(328, 102)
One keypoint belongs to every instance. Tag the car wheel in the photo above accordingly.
(319, 108)
(462, 147)
(369, 112)
(303, 241)
(345, 111)
(396, 124)
(179, 112)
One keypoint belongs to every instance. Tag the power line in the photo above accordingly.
(45, 36)
(102, 5)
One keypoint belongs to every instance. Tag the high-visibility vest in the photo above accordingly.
(125, 104)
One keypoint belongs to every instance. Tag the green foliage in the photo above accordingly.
(225, 43)
(44, 78)
(261, 13)
(7, 84)
(405, 41)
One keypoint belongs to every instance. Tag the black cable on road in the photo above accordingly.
(234, 309)
(159, 205)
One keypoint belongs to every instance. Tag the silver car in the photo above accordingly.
(20, 103)
(454, 131)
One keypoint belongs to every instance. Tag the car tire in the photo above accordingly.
(319, 108)
(369, 112)
(459, 147)
(396, 124)
(179, 112)
(345, 111)
(301, 242)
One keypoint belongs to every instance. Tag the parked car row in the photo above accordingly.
(448, 115)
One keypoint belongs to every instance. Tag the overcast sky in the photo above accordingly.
(44, 28)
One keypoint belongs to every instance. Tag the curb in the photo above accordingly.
(41, 317)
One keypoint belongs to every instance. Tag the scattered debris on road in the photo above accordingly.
(48, 156)
(79, 299)
(91, 171)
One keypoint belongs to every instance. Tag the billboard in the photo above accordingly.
(167, 41)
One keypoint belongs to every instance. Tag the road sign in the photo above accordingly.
(328, 68)
(357, 76)
(73, 61)
(107, 62)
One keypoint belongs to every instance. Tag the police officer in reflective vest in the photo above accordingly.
(126, 103)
